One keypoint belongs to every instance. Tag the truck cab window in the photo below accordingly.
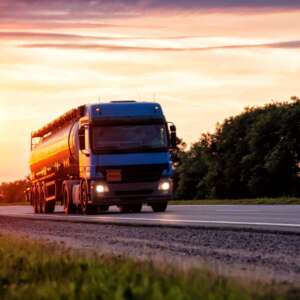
(130, 137)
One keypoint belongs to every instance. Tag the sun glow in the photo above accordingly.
(2, 113)
(201, 66)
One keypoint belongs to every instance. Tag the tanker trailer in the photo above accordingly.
(98, 155)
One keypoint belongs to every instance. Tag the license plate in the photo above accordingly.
(114, 175)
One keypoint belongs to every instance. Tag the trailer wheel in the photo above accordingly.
(159, 207)
(42, 201)
(69, 207)
(35, 201)
(44, 206)
(49, 207)
(39, 199)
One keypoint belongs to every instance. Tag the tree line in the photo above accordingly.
(13, 192)
(253, 154)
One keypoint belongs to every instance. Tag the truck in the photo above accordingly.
(104, 154)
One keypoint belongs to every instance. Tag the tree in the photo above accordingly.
(13, 191)
(254, 154)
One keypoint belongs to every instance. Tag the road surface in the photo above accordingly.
(262, 217)
(264, 244)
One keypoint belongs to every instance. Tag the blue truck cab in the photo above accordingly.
(124, 156)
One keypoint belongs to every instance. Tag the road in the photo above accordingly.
(262, 217)
(264, 244)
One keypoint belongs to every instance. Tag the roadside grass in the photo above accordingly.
(271, 201)
(34, 270)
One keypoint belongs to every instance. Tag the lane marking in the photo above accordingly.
(200, 221)
(165, 220)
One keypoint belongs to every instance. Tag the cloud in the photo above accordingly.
(51, 36)
(34, 23)
(288, 44)
(221, 4)
(104, 47)
(32, 35)
(105, 9)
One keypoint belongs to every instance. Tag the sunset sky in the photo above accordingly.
(202, 60)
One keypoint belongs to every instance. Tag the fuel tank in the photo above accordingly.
(57, 151)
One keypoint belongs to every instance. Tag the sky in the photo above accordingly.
(202, 60)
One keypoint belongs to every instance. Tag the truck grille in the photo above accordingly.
(141, 173)
(139, 192)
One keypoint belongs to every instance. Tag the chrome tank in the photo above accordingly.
(58, 151)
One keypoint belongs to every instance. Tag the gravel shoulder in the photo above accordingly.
(266, 256)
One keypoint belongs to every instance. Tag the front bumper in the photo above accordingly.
(130, 193)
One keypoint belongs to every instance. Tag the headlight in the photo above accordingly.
(164, 185)
(101, 188)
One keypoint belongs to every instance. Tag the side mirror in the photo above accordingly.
(81, 135)
(173, 136)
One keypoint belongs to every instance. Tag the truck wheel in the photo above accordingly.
(49, 207)
(159, 207)
(124, 208)
(69, 207)
(104, 208)
(127, 208)
(136, 208)
(86, 208)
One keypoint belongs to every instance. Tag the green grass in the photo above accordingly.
(32, 270)
(283, 200)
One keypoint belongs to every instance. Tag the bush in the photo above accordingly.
(13, 191)
(254, 154)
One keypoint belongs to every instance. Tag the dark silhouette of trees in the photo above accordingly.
(254, 154)
(13, 191)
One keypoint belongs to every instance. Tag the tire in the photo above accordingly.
(86, 208)
(42, 201)
(91, 210)
(124, 208)
(35, 201)
(69, 207)
(128, 208)
(49, 207)
(104, 208)
(38, 202)
(159, 207)
(136, 208)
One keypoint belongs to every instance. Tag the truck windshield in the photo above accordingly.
(129, 137)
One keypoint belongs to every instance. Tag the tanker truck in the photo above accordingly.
(99, 155)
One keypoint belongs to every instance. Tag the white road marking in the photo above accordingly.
(202, 221)
(164, 220)
(279, 218)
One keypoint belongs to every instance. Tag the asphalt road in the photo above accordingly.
(262, 217)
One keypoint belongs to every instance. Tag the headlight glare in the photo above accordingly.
(100, 188)
(164, 186)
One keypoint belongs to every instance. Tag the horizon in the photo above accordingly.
(203, 62)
